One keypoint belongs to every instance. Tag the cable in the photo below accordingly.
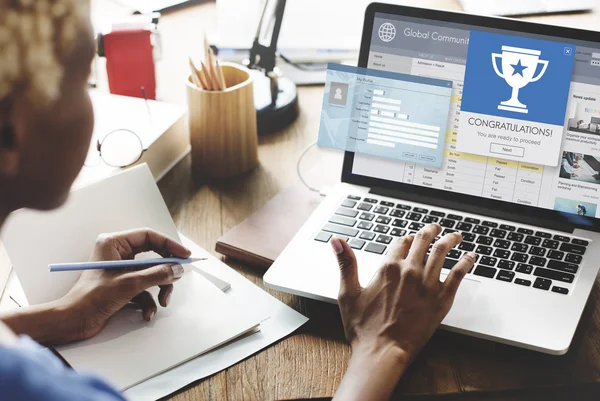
(304, 152)
(305, 66)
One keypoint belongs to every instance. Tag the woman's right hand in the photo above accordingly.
(388, 322)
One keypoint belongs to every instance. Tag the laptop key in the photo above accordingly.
(525, 231)
(349, 203)
(414, 216)
(537, 251)
(556, 255)
(381, 210)
(562, 266)
(485, 271)
(501, 253)
(531, 240)
(448, 231)
(466, 246)
(383, 220)
(365, 206)
(505, 275)
(371, 200)
(430, 219)
(364, 225)
(481, 230)
(381, 229)
(416, 226)
(398, 232)
(420, 210)
(488, 261)
(543, 234)
(562, 238)
(336, 229)
(344, 221)
(367, 216)
(537, 261)
(323, 237)
(521, 281)
(571, 258)
(542, 283)
(385, 203)
(375, 248)
(551, 244)
(484, 240)
(356, 243)
(472, 220)
(507, 227)
(515, 237)
(400, 223)
(454, 254)
(397, 213)
(437, 214)
(403, 207)
(580, 242)
(468, 237)
(502, 244)
(343, 211)
(384, 239)
(519, 248)
(519, 257)
(368, 235)
(576, 249)
(489, 224)
(560, 290)
(524, 268)
(506, 264)
(447, 223)
(498, 233)
(353, 197)
(553, 275)
(455, 217)
(484, 250)
(462, 226)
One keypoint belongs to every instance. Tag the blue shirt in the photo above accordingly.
(30, 372)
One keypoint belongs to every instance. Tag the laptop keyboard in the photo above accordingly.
(508, 253)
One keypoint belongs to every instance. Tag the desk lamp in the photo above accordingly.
(275, 96)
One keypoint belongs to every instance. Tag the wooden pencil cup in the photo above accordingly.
(223, 131)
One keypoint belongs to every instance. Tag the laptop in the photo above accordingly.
(493, 171)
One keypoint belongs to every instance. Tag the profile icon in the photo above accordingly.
(338, 93)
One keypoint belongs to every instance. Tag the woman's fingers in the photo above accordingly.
(399, 248)
(349, 283)
(164, 296)
(161, 275)
(421, 243)
(457, 273)
(130, 243)
(146, 302)
(438, 254)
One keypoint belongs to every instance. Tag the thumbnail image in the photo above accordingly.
(585, 120)
(580, 167)
(575, 207)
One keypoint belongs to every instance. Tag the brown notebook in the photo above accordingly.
(259, 239)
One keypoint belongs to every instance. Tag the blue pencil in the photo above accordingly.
(120, 264)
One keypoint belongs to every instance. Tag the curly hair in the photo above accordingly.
(36, 37)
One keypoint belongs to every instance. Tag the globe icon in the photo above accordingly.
(387, 32)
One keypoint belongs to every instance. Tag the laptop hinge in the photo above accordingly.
(469, 208)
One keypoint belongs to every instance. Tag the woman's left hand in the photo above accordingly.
(98, 294)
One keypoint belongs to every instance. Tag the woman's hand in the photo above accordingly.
(388, 322)
(99, 294)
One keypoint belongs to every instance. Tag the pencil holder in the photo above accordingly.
(223, 125)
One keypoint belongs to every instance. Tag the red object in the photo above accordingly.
(130, 63)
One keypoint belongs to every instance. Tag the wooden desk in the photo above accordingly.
(309, 364)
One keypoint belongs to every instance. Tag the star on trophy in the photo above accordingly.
(518, 69)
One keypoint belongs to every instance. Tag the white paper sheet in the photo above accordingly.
(129, 350)
(283, 321)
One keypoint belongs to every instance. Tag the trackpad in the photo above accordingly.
(463, 307)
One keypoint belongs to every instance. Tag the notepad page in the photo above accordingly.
(129, 350)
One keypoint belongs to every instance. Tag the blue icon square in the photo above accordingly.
(568, 51)
(519, 78)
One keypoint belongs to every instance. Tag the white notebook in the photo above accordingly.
(129, 350)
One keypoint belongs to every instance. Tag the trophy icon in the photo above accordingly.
(518, 69)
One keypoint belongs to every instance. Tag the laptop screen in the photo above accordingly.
(522, 125)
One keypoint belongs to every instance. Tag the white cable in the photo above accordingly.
(304, 152)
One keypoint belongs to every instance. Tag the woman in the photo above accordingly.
(46, 120)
